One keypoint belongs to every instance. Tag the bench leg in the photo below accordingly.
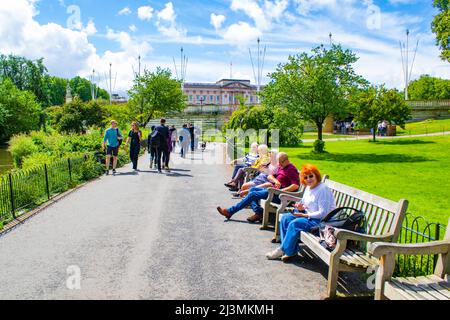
(333, 274)
(333, 271)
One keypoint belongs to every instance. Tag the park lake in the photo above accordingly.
(6, 162)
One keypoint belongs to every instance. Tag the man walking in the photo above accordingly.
(191, 131)
(163, 150)
(184, 138)
(111, 141)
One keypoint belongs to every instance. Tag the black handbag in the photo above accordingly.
(347, 218)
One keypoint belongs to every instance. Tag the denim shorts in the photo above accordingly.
(114, 151)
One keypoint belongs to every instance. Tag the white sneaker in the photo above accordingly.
(275, 254)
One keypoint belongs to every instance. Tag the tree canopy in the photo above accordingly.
(314, 86)
(155, 94)
(19, 110)
(377, 103)
(441, 27)
(429, 88)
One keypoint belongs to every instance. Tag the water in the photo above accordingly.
(6, 162)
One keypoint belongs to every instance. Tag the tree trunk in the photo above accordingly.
(374, 135)
(319, 131)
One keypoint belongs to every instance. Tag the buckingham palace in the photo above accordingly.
(220, 97)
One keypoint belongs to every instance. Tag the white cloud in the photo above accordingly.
(132, 28)
(90, 29)
(240, 34)
(167, 24)
(261, 15)
(145, 13)
(217, 20)
(124, 12)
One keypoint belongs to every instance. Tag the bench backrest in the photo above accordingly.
(383, 216)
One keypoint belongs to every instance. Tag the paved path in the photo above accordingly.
(150, 236)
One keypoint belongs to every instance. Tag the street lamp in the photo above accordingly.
(201, 104)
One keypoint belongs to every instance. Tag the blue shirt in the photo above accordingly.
(111, 137)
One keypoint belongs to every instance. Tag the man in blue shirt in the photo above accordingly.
(112, 136)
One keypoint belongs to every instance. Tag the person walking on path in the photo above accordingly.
(134, 141)
(111, 142)
(173, 137)
(185, 138)
(287, 179)
(191, 131)
(163, 149)
(151, 149)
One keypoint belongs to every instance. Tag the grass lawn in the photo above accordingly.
(415, 169)
(423, 127)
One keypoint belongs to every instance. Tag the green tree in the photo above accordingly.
(263, 117)
(429, 88)
(26, 75)
(56, 88)
(314, 87)
(441, 27)
(77, 116)
(19, 110)
(155, 93)
(375, 104)
(82, 88)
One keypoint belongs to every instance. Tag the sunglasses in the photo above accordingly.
(311, 176)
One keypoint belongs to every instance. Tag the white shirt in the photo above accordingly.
(319, 201)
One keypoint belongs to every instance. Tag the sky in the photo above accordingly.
(77, 36)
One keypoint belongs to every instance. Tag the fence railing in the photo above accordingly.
(25, 189)
(418, 230)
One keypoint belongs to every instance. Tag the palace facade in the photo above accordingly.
(221, 97)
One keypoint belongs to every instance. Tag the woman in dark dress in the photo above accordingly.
(134, 140)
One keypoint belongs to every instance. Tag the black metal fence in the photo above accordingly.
(25, 189)
(418, 230)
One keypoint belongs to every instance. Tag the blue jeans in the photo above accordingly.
(254, 196)
(290, 228)
(236, 168)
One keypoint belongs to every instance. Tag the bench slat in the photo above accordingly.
(395, 291)
(421, 292)
(312, 242)
(428, 287)
(438, 284)
(383, 203)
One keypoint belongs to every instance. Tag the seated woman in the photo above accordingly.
(263, 160)
(262, 180)
(317, 202)
(247, 161)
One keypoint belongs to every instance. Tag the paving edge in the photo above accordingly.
(24, 217)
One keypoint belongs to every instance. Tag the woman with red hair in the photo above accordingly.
(317, 202)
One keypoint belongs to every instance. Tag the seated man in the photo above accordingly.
(286, 179)
(247, 161)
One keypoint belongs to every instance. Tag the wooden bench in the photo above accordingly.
(250, 174)
(430, 287)
(384, 220)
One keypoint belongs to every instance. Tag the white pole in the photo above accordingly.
(407, 64)
(110, 84)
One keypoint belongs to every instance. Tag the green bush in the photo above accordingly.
(319, 146)
(90, 169)
(21, 146)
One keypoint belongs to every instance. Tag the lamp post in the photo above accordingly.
(201, 104)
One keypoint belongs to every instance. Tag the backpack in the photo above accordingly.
(339, 218)
(155, 139)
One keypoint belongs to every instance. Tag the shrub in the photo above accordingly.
(319, 146)
(21, 146)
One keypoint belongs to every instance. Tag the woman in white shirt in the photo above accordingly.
(317, 202)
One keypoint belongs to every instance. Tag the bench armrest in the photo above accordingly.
(273, 192)
(341, 234)
(250, 170)
(379, 249)
(286, 198)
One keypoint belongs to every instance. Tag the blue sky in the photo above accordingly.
(76, 36)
